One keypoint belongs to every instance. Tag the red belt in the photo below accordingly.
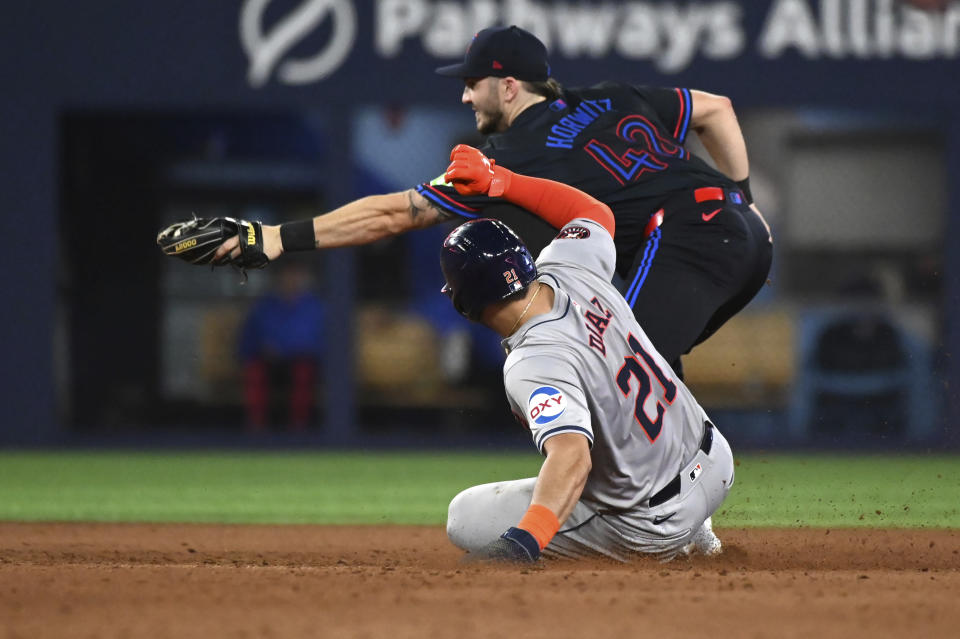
(703, 194)
(708, 193)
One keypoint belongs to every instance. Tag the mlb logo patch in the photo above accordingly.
(695, 472)
(545, 405)
(558, 105)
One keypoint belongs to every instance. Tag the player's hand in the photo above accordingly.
(272, 247)
(470, 171)
(516, 546)
(473, 173)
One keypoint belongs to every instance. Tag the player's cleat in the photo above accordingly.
(704, 542)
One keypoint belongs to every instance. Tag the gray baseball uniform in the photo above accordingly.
(659, 467)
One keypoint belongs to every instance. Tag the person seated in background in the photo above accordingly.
(633, 464)
(281, 347)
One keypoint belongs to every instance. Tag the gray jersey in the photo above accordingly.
(587, 367)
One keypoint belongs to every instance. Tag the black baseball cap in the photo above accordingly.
(502, 52)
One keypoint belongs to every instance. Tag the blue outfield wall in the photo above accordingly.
(334, 54)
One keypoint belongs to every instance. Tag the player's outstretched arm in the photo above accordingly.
(716, 124)
(360, 222)
(472, 173)
(559, 486)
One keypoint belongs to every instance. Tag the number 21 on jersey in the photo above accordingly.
(633, 369)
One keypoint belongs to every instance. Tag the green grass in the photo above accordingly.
(415, 488)
(844, 491)
(325, 488)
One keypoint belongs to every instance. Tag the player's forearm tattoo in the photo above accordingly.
(439, 214)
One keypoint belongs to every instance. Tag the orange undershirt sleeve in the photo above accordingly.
(540, 522)
(555, 202)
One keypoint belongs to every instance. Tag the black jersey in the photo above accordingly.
(621, 144)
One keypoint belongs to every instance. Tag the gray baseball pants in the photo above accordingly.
(480, 514)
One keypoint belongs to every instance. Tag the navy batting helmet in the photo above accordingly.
(484, 262)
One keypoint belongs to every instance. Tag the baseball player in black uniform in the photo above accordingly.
(692, 250)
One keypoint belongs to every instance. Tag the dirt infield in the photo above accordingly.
(105, 580)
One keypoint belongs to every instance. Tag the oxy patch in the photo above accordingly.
(546, 404)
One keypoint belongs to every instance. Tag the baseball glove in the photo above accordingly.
(196, 241)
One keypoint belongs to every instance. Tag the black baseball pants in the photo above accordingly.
(703, 264)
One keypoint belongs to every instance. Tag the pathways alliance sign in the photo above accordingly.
(670, 36)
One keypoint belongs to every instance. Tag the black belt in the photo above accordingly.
(672, 489)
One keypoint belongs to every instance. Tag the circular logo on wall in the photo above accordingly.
(545, 405)
(267, 50)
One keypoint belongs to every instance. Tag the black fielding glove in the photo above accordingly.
(197, 240)
(514, 546)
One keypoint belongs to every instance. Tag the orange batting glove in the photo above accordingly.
(473, 173)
